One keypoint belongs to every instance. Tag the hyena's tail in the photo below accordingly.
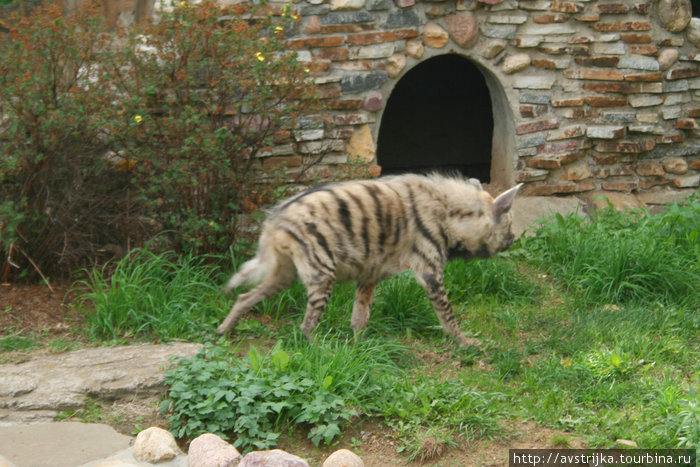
(252, 272)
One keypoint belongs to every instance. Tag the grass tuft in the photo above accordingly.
(624, 257)
(153, 296)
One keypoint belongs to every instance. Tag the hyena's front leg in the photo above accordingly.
(318, 293)
(360, 309)
(433, 285)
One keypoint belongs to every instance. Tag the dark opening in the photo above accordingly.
(438, 117)
(695, 6)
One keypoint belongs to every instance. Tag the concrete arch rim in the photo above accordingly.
(503, 105)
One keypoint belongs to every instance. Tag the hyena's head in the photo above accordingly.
(478, 225)
(501, 237)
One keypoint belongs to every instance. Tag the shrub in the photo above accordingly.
(104, 142)
(61, 202)
(210, 90)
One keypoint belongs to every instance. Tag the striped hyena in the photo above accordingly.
(367, 231)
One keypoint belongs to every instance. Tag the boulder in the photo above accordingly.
(274, 458)
(209, 450)
(155, 445)
(343, 458)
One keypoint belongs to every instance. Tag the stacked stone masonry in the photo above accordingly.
(602, 95)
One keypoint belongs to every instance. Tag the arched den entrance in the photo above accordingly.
(439, 116)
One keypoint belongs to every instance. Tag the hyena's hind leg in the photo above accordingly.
(433, 285)
(281, 277)
(318, 291)
(360, 309)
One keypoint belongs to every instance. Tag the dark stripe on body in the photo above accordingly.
(313, 230)
(402, 216)
(379, 214)
(308, 253)
(422, 229)
(306, 193)
(365, 223)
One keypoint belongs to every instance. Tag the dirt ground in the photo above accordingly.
(35, 310)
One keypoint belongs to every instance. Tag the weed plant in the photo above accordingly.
(258, 397)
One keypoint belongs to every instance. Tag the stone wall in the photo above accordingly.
(588, 96)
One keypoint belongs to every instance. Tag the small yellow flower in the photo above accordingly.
(308, 70)
(182, 4)
(279, 28)
(138, 118)
(259, 56)
(294, 17)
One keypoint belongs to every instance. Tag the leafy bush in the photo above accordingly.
(683, 421)
(255, 398)
(619, 257)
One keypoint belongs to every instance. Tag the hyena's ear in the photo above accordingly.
(476, 183)
(503, 203)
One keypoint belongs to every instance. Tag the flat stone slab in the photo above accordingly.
(70, 444)
(59, 444)
(527, 210)
(44, 386)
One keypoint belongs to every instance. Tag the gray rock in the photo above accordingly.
(541, 99)
(274, 458)
(693, 31)
(378, 5)
(402, 18)
(59, 444)
(639, 63)
(527, 210)
(362, 81)
(209, 450)
(39, 389)
(311, 10)
(155, 445)
(346, 18)
(620, 117)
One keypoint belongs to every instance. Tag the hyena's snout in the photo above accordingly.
(508, 242)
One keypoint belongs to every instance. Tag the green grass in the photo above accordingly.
(15, 342)
(590, 327)
(153, 296)
(622, 258)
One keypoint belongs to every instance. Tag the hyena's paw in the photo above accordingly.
(227, 326)
(465, 341)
